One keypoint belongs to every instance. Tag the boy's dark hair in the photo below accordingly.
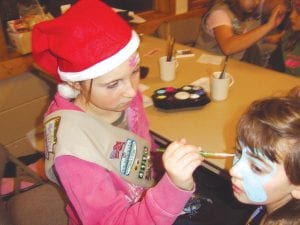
(272, 125)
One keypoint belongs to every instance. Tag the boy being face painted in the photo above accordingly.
(256, 179)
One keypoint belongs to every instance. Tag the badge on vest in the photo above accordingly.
(127, 153)
(51, 127)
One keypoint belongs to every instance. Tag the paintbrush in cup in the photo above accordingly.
(170, 48)
(208, 154)
(222, 75)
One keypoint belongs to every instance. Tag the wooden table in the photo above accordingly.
(213, 126)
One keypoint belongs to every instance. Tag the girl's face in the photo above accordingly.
(258, 180)
(295, 16)
(115, 90)
(248, 5)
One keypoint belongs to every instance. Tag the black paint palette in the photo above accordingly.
(188, 96)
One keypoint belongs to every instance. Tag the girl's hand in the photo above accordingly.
(277, 16)
(180, 161)
(274, 38)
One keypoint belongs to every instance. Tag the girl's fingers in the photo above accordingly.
(173, 146)
(185, 161)
(177, 154)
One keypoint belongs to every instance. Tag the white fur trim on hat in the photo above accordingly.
(104, 66)
(67, 91)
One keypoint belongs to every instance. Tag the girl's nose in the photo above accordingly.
(130, 90)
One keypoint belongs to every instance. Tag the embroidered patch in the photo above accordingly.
(51, 127)
(128, 157)
(117, 149)
(146, 166)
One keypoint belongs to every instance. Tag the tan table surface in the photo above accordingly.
(213, 126)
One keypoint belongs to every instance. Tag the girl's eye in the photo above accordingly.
(137, 70)
(113, 84)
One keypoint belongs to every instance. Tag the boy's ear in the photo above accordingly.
(296, 192)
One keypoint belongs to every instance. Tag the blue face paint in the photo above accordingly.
(255, 170)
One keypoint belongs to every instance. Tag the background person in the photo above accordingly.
(227, 29)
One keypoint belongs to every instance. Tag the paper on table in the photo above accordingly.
(147, 101)
(210, 59)
(136, 18)
(153, 52)
(143, 87)
(202, 82)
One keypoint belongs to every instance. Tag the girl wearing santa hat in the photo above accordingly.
(98, 146)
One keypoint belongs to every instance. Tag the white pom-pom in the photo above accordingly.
(67, 91)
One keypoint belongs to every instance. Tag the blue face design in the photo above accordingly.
(255, 169)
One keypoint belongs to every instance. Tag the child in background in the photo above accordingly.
(291, 42)
(98, 146)
(268, 44)
(266, 170)
(225, 29)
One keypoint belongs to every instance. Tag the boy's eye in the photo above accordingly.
(259, 168)
(238, 153)
(256, 169)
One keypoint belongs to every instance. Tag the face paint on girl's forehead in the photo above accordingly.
(253, 181)
(134, 60)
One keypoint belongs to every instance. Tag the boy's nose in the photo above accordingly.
(234, 171)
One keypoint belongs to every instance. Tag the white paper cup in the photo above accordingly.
(220, 87)
(167, 69)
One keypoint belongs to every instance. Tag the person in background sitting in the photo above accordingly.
(266, 169)
(226, 29)
(268, 44)
(98, 145)
(290, 45)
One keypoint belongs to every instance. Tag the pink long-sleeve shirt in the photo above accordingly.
(100, 196)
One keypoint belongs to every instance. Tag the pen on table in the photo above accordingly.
(207, 154)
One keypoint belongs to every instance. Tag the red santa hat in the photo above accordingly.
(88, 41)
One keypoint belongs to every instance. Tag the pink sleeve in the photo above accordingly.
(217, 18)
(98, 198)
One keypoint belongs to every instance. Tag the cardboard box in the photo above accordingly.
(21, 41)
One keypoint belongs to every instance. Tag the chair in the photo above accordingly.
(185, 31)
(44, 203)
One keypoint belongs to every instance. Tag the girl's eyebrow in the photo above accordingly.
(112, 81)
(107, 83)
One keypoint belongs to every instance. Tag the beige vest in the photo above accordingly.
(78, 134)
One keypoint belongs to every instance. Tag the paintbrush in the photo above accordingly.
(222, 75)
(170, 48)
(207, 154)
